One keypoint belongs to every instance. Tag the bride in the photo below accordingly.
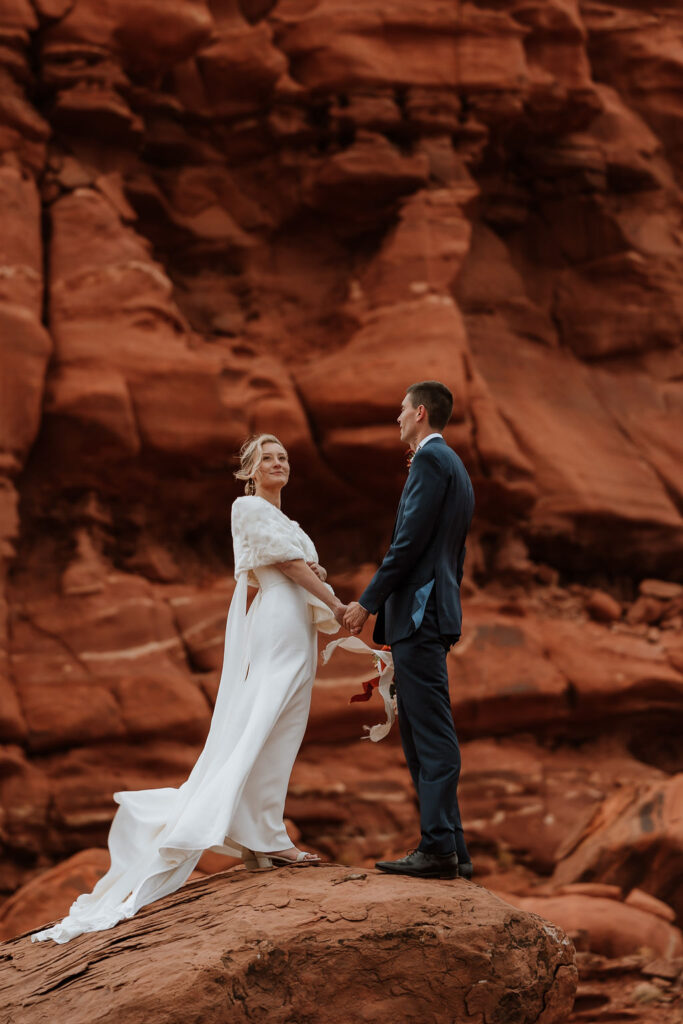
(233, 800)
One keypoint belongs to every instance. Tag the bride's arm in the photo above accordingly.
(298, 572)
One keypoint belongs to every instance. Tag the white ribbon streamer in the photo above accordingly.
(384, 664)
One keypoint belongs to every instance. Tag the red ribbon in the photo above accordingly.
(369, 685)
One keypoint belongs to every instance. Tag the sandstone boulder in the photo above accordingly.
(609, 927)
(603, 607)
(51, 893)
(634, 840)
(279, 946)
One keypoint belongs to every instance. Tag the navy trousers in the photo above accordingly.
(428, 734)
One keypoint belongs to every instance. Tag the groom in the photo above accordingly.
(415, 594)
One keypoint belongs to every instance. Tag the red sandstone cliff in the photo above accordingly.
(220, 217)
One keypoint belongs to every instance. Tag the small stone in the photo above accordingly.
(603, 607)
(662, 590)
(646, 992)
(646, 610)
(668, 970)
(650, 904)
(353, 877)
(609, 892)
(355, 914)
(72, 174)
(547, 575)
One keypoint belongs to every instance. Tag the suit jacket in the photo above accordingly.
(427, 548)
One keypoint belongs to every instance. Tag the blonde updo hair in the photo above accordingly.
(251, 454)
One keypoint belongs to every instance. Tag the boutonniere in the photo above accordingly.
(410, 455)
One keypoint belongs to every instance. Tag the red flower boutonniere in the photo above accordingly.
(410, 455)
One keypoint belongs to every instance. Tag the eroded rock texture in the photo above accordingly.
(282, 947)
(220, 217)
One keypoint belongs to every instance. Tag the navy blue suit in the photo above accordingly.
(415, 594)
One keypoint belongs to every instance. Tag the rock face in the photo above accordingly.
(280, 946)
(611, 927)
(52, 892)
(223, 216)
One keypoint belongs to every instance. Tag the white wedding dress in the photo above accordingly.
(234, 797)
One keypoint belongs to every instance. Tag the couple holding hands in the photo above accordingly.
(233, 800)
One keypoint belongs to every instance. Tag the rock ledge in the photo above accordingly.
(325, 943)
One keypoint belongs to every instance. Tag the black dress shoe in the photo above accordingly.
(465, 869)
(422, 865)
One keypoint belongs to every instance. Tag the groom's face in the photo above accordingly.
(408, 420)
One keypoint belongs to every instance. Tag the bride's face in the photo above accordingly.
(273, 471)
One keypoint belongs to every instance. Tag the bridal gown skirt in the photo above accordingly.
(234, 798)
(282, 664)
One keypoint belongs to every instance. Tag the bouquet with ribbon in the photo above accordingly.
(382, 681)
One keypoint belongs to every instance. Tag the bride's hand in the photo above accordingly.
(339, 613)
(318, 570)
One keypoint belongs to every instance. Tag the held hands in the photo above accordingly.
(350, 616)
(355, 617)
(339, 611)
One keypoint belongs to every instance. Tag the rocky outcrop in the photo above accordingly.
(215, 225)
(279, 946)
(52, 892)
(606, 924)
(636, 837)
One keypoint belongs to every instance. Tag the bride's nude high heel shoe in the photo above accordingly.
(264, 861)
(249, 860)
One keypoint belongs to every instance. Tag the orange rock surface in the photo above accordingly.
(223, 216)
(280, 946)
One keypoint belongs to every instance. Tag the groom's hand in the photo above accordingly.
(355, 617)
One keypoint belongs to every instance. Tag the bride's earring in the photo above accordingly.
(251, 486)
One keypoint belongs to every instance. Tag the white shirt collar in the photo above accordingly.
(427, 438)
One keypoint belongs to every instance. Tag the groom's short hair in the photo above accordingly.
(437, 400)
